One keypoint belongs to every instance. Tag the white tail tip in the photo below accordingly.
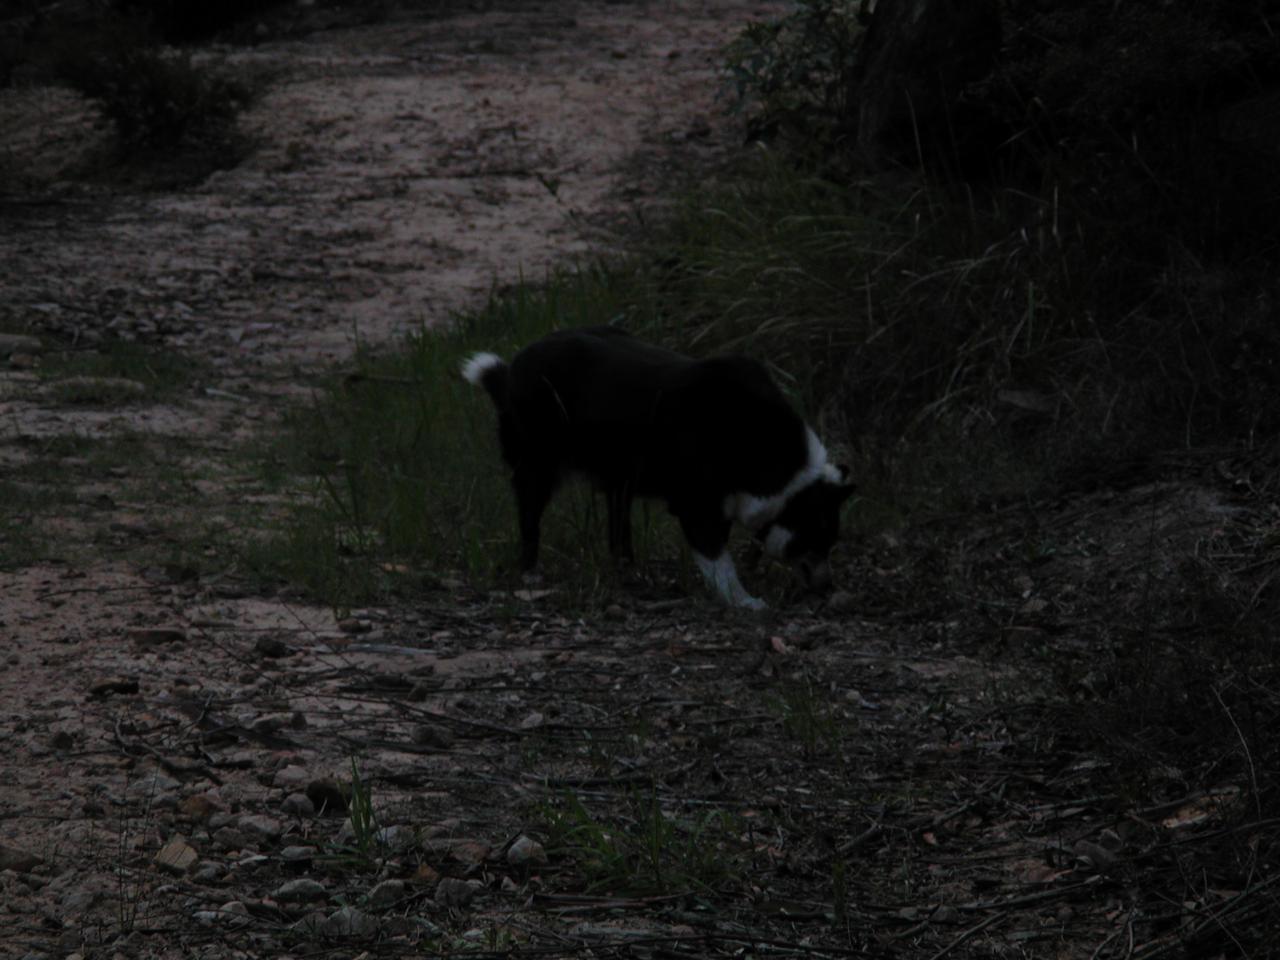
(478, 365)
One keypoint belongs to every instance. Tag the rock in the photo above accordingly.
(350, 922)
(300, 891)
(426, 875)
(98, 389)
(298, 805)
(842, 601)
(151, 786)
(297, 859)
(271, 723)
(418, 692)
(327, 796)
(353, 625)
(397, 837)
(12, 344)
(199, 807)
(105, 688)
(208, 871)
(525, 852)
(291, 777)
(62, 740)
(253, 862)
(257, 825)
(272, 647)
(386, 894)
(532, 721)
(430, 735)
(157, 636)
(177, 856)
(234, 913)
(614, 611)
(452, 892)
(229, 838)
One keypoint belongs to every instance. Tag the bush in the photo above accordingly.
(178, 21)
(153, 97)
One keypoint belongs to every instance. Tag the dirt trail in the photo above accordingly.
(400, 170)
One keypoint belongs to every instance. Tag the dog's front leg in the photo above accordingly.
(710, 542)
(721, 574)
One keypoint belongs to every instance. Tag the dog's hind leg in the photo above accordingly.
(534, 486)
(618, 503)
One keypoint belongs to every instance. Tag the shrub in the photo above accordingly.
(153, 97)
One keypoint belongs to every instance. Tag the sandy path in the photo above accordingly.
(402, 169)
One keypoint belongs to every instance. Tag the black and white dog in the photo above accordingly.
(714, 438)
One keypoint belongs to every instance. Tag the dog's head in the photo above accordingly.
(808, 525)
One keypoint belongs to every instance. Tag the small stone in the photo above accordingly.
(257, 825)
(177, 856)
(271, 723)
(328, 797)
(430, 735)
(105, 688)
(418, 692)
(614, 611)
(19, 344)
(272, 647)
(532, 721)
(234, 913)
(157, 636)
(291, 777)
(19, 861)
(300, 891)
(526, 852)
(297, 858)
(426, 875)
(208, 871)
(386, 894)
(229, 838)
(350, 922)
(452, 892)
(354, 625)
(198, 807)
(62, 740)
(298, 805)
(842, 601)
(397, 837)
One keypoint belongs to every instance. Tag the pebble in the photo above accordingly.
(525, 852)
(208, 871)
(298, 805)
(327, 796)
(177, 856)
(17, 343)
(272, 647)
(157, 636)
(452, 892)
(350, 922)
(430, 735)
(386, 894)
(300, 891)
(267, 828)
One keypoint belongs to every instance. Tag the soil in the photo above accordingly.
(829, 779)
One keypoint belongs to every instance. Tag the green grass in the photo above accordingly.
(644, 848)
(149, 373)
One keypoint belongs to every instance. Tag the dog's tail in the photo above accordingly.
(488, 370)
